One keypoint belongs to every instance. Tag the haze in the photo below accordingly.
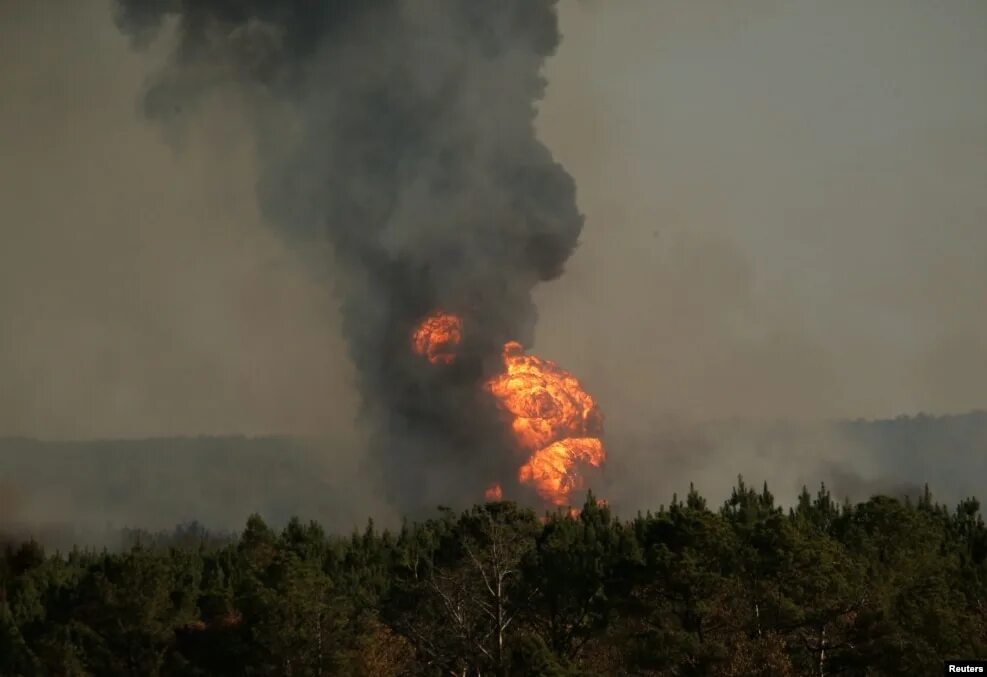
(785, 207)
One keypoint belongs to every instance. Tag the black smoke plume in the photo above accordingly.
(401, 133)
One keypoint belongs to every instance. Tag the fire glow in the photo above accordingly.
(554, 420)
(437, 337)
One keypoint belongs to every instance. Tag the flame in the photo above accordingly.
(555, 420)
(553, 469)
(493, 492)
(437, 337)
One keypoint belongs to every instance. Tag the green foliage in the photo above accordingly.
(883, 587)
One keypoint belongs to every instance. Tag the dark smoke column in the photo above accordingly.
(401, 133)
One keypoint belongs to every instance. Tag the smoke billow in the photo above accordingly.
(402, 134)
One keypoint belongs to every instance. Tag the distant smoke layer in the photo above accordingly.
(784, 207)
(403, 132)
(67, 493)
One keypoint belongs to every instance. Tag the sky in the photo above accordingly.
(786, 206)
(786, 217)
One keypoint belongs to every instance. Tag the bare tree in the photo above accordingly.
(467, 597)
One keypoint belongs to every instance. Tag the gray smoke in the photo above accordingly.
(401, 134)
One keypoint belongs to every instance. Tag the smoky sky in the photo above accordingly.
(411, 150)
(785, 207)
(783, 202)
(142, 293)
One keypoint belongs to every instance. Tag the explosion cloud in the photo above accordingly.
(402, 134)
(438, 337)
(554, 420)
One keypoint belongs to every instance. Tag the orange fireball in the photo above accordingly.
(555, 420)
(437, 337)
(554, 469)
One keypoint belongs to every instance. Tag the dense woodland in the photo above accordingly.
(748, 588)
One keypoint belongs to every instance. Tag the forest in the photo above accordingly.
(824, 587)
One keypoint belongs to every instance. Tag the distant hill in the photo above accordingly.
(88, 490)
(855, 459)
(948, 452)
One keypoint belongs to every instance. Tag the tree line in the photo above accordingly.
(886, 586)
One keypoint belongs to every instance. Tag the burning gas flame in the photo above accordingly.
(555, 420)
(553, 469)
(493, 492)
(437, 337)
